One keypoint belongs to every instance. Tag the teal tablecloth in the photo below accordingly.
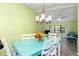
(29, 47)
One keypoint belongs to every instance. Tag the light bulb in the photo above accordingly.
(40, 20)
(47, 20)
(43, 16)
(50, 18)
(37, 18)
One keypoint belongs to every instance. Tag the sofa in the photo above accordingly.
(72, 36)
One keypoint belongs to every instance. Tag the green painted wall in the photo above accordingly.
(71, 25)
(16, 19)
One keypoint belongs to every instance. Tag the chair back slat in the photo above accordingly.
(27, 36)
(48, 48)
(6, 46)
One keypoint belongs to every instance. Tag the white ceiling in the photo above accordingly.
(67, 10)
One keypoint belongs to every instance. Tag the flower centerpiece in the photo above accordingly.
(40, 35)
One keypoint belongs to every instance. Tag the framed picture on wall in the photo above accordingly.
(57, 29)
(63, 29)
(52, 29)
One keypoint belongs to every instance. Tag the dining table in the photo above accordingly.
(32, 47)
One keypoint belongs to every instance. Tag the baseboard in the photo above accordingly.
(77, 54)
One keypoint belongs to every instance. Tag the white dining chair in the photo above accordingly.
(45, 48)
(27, 36)
(48, 48)
(52, 35)
(9, 52)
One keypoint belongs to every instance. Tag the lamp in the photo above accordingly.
(43, 17)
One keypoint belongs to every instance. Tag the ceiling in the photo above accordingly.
(67, 10)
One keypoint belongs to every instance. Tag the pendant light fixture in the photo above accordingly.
(43, 17)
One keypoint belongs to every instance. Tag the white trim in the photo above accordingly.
(77, 54)
(61, 7)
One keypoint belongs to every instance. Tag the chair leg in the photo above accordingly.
(59, 49)
(74, 43)
(55, 54)
(68, 42)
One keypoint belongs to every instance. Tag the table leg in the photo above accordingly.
(59, 49)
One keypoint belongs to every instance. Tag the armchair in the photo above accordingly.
(72, 36)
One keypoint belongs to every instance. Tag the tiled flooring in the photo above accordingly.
(68, 49)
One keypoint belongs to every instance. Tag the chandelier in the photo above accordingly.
(43, 17)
